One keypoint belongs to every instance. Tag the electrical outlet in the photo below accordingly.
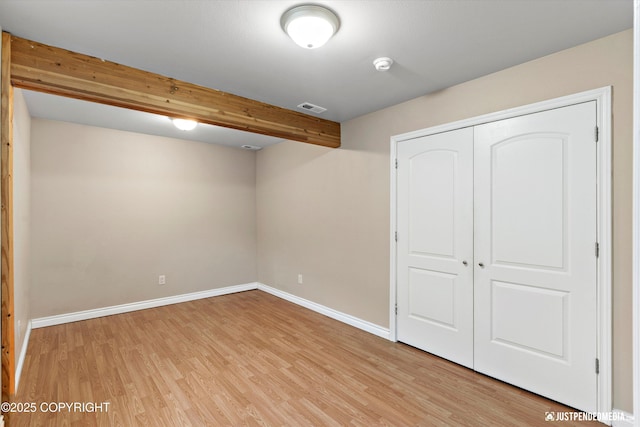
(162, 279)
(299, 279)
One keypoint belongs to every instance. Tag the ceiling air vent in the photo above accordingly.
(311, 107)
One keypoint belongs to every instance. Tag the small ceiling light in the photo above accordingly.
(310, 26)
(383, 64)
(184, 124)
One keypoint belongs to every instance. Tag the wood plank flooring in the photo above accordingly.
(256, 360)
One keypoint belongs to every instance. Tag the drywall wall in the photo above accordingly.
(113, 210)
(325, 213)
(21, 219)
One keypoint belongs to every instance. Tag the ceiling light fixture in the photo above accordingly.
(383, 64)
(310, 26)
(184, 124)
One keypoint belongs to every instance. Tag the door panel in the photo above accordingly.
(513, 304)
(535, 262)
(432, 296)
(435, 232)
(431, 200)
(528, 186)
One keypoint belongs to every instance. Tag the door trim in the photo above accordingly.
(602, 96)
(635, 410)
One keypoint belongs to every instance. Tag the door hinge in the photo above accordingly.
(597, 133)
(396, 236)
(597, 365)
(597, 250)
(396, 308)
(396, 163)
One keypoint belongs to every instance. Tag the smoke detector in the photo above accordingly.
(251, 147)
(383, 63)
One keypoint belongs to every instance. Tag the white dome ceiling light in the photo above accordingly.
(184, 124)
(383, 64)
(310, 26)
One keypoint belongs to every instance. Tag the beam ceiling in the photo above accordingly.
(39, 67)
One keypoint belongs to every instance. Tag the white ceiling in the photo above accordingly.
(237, 46)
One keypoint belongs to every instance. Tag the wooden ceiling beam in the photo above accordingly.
(43, 68)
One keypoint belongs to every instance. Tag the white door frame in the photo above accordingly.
(636, 212)
(602, 96)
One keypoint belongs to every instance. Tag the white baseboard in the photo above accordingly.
(125, 308)
(23, 354)
(329, 312)
(626, 419)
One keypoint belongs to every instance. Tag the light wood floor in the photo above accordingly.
(253, 359)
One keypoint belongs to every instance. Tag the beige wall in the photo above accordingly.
(21, 219)
(112, 210)
(325, 213)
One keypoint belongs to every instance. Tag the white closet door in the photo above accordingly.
(535, 260)
(435, 241)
